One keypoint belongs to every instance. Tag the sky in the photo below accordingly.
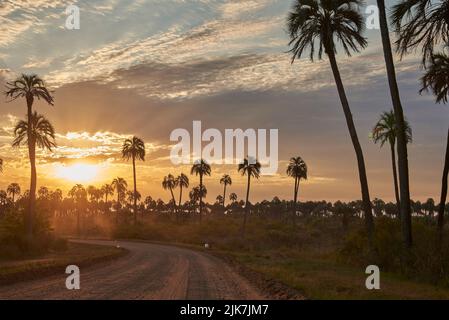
(148, 67)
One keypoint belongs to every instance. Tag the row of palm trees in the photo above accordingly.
(315, 26)
(249, 167)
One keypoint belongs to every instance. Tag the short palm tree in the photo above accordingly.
(119, 185)
(385, 132)
(41, 132)
(201, 168)
(225, 181)
(30, 87)
(134, 148)
(233, 197)
(249, 168)
(169, 183)
(316, 25)
(107, 190)
(436, 80)
(296, 169)
(79, 195)
(13, 190)
(182, 181)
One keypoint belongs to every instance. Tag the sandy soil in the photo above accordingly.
(149, 271)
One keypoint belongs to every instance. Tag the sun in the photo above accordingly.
(79, 172)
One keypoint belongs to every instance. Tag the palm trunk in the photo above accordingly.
(369, 222)
(295, 197)
(33, 182)
(395, 178)
(443, 194)
(118, 207)
(180, 195)
(174, 201)
(135, 190)
(106, 204)
(406, 215)
(201, 196)
(246, 206)
(224, 196)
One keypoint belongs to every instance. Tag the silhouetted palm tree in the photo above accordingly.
(297, 169)
(1, 165)
(13, 189)
(79, 195)
(404, 182)
(108, 190)
(120, 185)
(134, 149)
(233, 197)
(201, 168)
(169, 183)
(30, 87)
(421, 23)
(385, 131)
(316, 25)
(225, 181)
(436, 80)
(182, 181)
(250, 168)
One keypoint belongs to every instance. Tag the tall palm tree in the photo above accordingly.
(169, 183)
(296, 169)
(421, 23)
(13, 190)
(436, 80)
(385, 131)
(120, 185)
(30, 87)
(182, 181)
(316, 25)
(418, 23)
(250, 168)
(1, 165)
(404, 182)
(201, 168)
(107, 190)
(134, 148)
(225, 181)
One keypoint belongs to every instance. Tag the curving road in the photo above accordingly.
(149, 271)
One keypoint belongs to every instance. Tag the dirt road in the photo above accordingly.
(149, 271)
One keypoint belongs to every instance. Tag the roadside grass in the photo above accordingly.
(318, 257)
(55, 262)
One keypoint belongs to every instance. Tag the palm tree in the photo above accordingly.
(296, 169)
(134, 148)
(13, 190)
(182, 181)
(404, 182)
(250, 168)
(120, 185)
(421, 22)
(169, 183)
(436, 79)
(318, 23)
(1, 165)
(201, 168)
(385, 131)
(79, 195)
(107, 190)
(30, 87)
(233, 197)
(225, 181)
